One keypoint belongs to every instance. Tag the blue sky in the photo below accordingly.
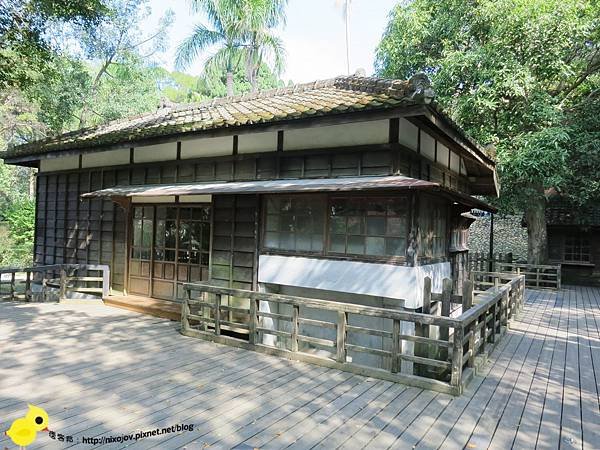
(313, 36)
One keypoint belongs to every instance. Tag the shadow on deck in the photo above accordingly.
(102, 371)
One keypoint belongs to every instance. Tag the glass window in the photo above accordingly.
(577, 249)
(432, 227)
(372, 226)
(295, 223)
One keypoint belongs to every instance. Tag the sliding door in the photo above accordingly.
(170, 246)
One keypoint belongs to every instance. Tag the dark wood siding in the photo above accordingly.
(234, 241)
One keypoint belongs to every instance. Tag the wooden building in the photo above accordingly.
(574, 241)
(350, 188)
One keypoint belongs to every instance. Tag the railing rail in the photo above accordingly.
(544, 276)
(54, 282)
(417, 348)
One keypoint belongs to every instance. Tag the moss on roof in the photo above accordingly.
(319, 98)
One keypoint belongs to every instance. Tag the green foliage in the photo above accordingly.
(241, 32)
(519, 74)
(16, 241)
(25, 48)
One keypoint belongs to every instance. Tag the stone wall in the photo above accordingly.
(509, 236)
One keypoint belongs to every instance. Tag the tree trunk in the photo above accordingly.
(229, 84)
(535, 216)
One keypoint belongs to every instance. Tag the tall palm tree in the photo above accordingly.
(258, 18)
(224, 32)
(243, 30)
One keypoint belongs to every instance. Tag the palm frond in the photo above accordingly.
(201, 39)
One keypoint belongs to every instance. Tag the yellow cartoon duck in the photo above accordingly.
(24, 430)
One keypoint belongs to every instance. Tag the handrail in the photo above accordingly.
(53, 276)
(437, 354)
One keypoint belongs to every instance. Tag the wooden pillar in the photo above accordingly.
(341, 336)
(295, 327)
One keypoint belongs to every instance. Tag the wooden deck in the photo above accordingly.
(146, 305)
(102, 371)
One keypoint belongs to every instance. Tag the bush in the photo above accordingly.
(16, 240)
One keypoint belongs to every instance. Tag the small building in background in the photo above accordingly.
(574, 240)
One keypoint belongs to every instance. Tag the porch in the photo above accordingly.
(103, 371)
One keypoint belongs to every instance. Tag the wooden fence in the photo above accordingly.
(416, 348)
(536, 275)
(54, 282)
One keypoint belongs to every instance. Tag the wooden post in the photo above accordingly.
(396, 346)
(558, 276)
(341, 336)
(421, 349)
(457, 358)
(28, 295)
(62, 291)
(504, 309)
(467, 297)
(295, 315)
(217, 314)
(253, 322)
(537, 277)
(185, 311)
(12, 286)
(446, 303)
(44, 288)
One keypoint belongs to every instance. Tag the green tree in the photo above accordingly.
(519, 74)
(25, 47)
(242, 33)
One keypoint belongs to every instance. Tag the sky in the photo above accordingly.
(314, 36)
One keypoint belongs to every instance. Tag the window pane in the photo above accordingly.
(303, 242)
(396, 226)
(160, 233)
(337, 225)
(286, 241)
(338, 243)
(395, 246)
(271, 240)
(170, 234)
(376, 226)
(147, 233)
(317, 243)
(272, 223)
(137, 232)
(356, 225)
(375, 246)
(356, 245)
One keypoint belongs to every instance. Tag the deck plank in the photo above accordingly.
(103, 371)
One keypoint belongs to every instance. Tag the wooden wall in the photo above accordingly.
(71, 230)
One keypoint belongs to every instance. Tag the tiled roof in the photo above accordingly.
(338, 95)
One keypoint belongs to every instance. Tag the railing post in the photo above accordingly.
(44, 285)
(446, 303)
(341, 336)
(537, 277)
(467, 297)
(295, 315)
(558, 276)
(504, 309)
(185, 311)
(28, 295)
(12, 286)
(396, 346)
(457, 358)
(253, 322)
(62, 291)
(217, 314)
(105, 281)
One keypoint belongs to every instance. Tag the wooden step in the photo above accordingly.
(146, 305)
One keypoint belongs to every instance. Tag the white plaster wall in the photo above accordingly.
(442, 154)
(379, 280)
(153, 199)
(64, 163)
(105, 159)
(359, 133)
(204, 147)
(409, 134)
(427, 146)
(158, 152)
(257, 142)
(203, 198)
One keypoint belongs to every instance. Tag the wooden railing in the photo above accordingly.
(537, 276)
(54, 282)
(418, 348)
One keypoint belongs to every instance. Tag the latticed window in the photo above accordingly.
(577, 249)
(368, 226)
(295, 223)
